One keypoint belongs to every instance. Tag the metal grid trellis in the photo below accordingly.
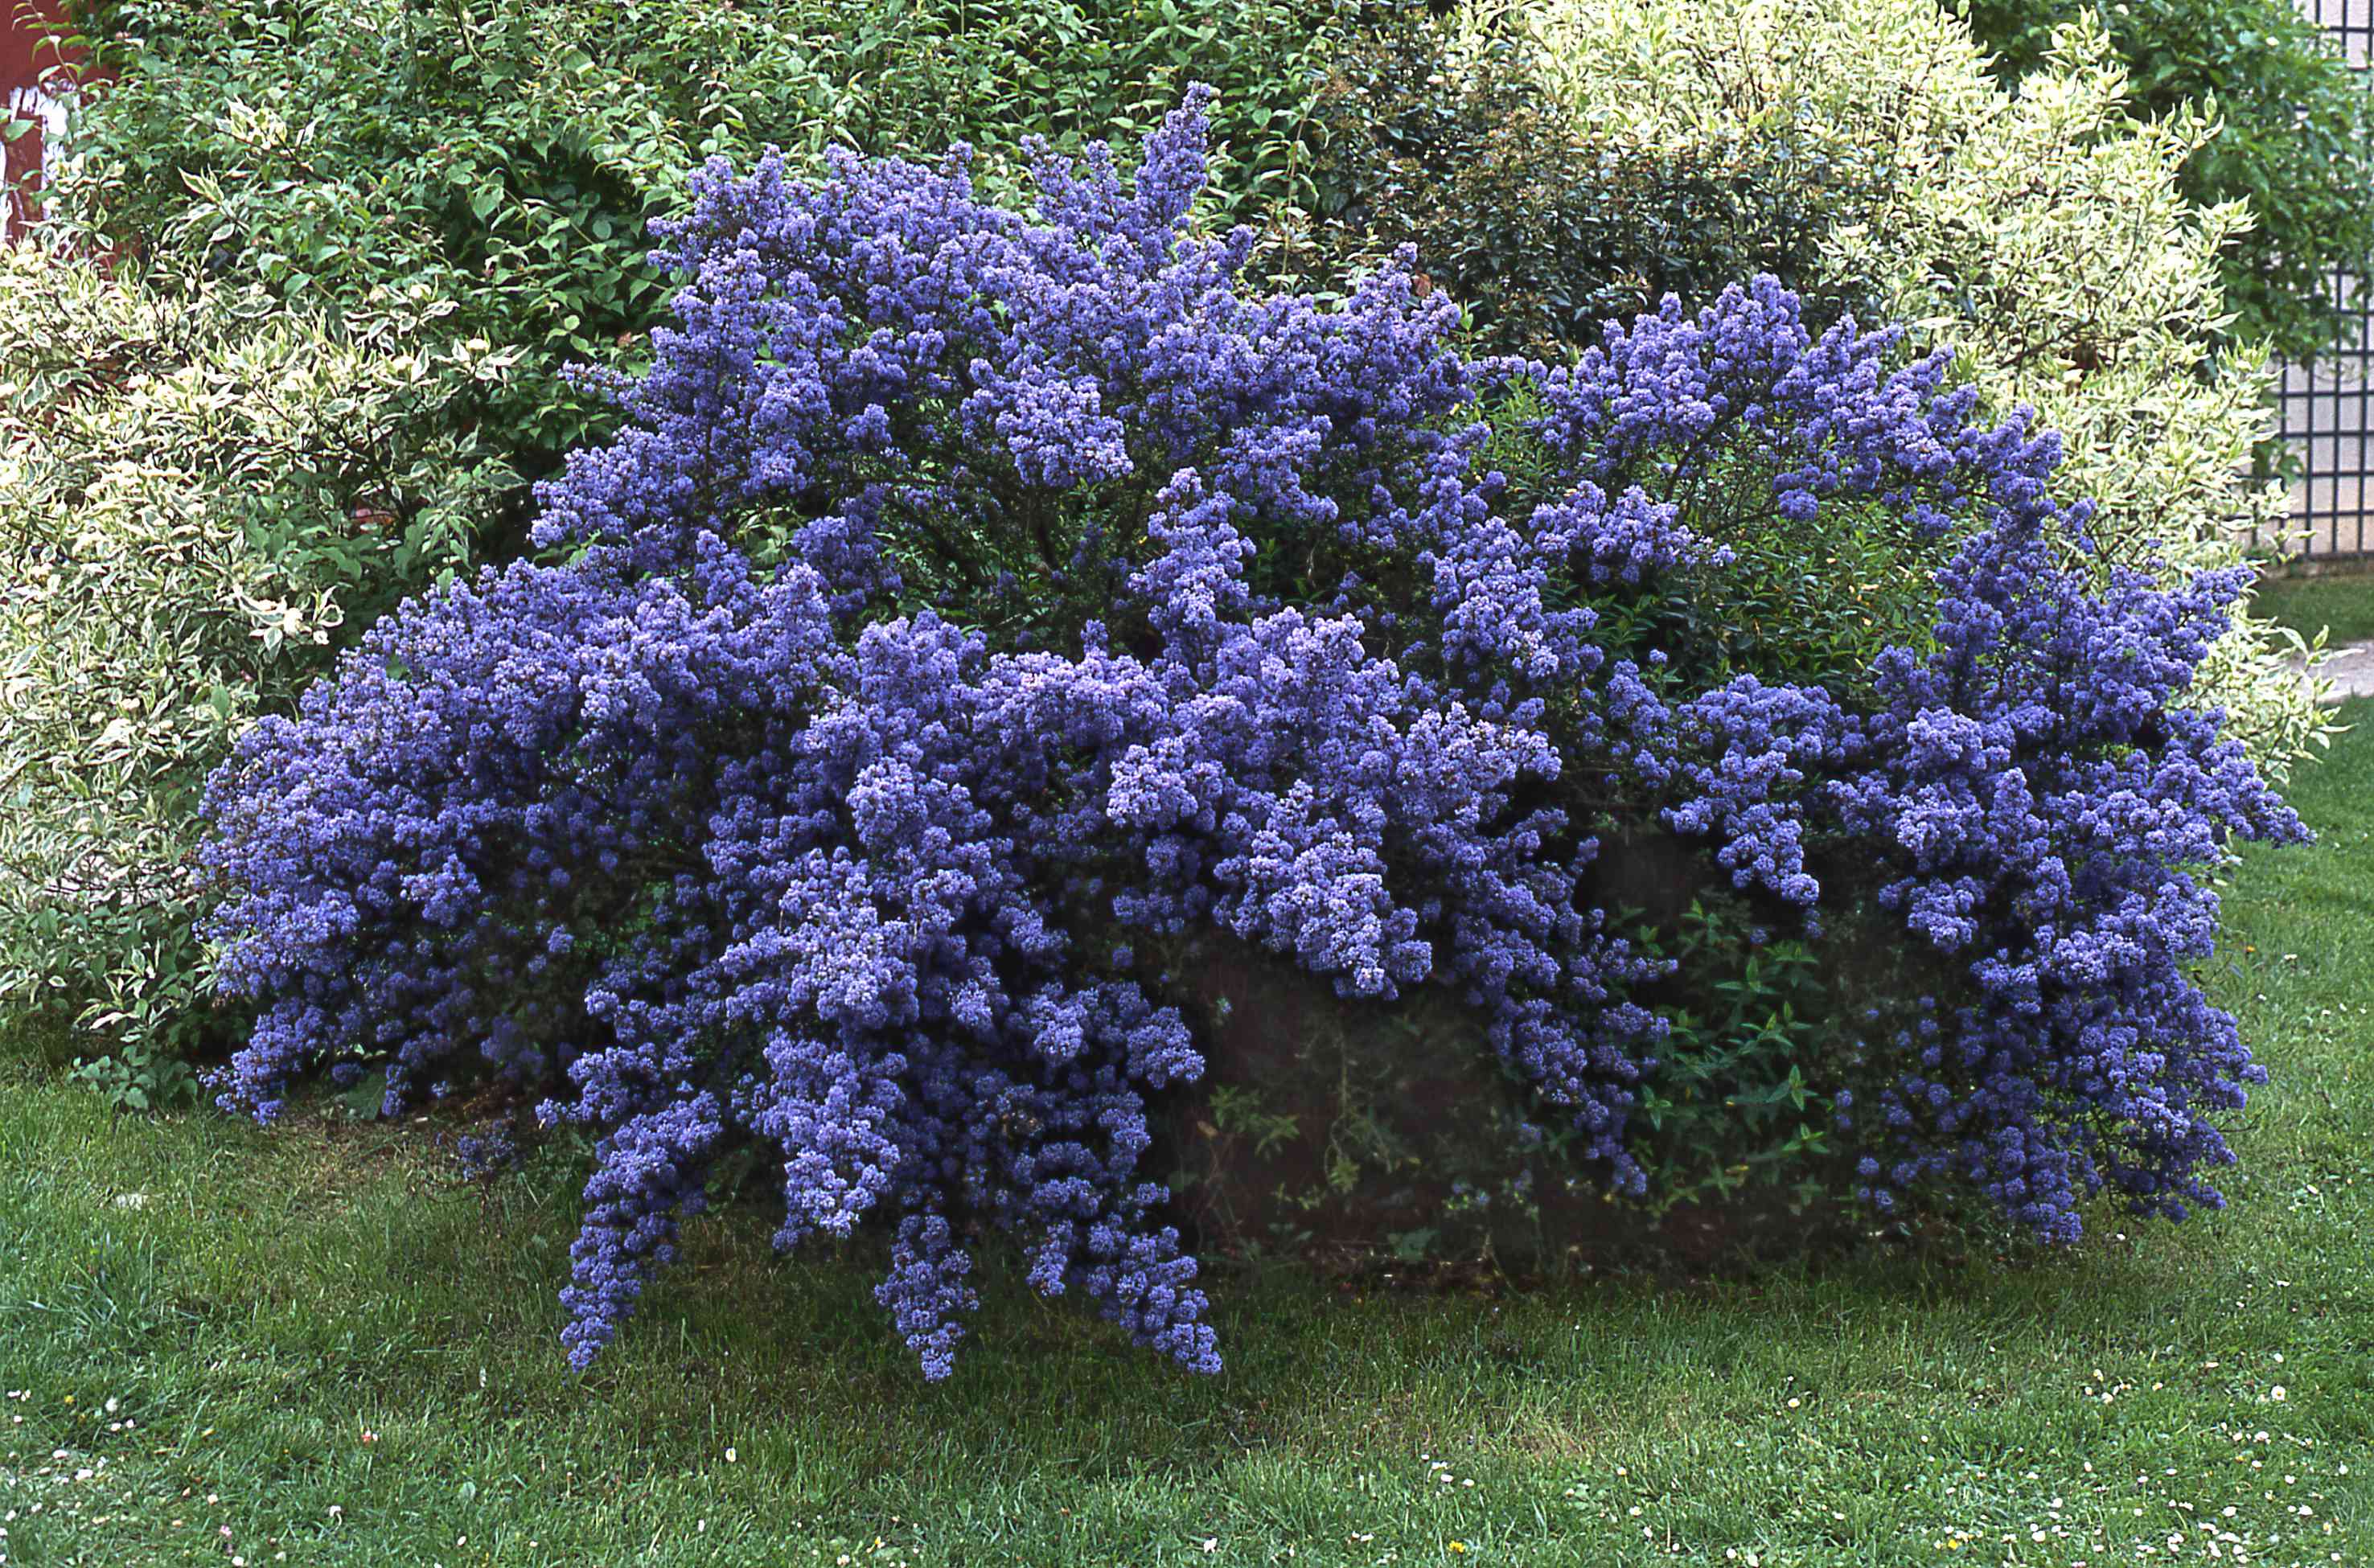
(2325, 411)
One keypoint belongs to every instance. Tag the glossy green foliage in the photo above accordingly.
(140, 1078)
(1734, 1105)
(1544, 228)
(508, 155)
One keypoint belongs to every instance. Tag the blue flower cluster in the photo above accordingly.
(980, 603)
(2048, 818)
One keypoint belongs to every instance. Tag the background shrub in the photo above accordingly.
(980, 611)
(199, 493)
(2294, 139)
(507, 156)
(1449, 139)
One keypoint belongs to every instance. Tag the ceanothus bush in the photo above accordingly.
(979, 604)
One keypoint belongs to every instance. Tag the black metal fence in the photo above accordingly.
(2326, 410)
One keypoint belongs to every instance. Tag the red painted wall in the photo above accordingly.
(30, 68)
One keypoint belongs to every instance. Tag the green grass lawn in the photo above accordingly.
(220, 1346)
(2344, 604)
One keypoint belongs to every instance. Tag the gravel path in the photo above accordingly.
(2351, 671)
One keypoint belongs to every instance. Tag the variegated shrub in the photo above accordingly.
(196, 498)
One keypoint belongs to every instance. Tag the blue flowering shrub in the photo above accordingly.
(981, 608)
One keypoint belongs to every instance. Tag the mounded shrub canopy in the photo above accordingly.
(979, 604)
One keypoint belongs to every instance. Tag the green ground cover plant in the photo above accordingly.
(203, 1358)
